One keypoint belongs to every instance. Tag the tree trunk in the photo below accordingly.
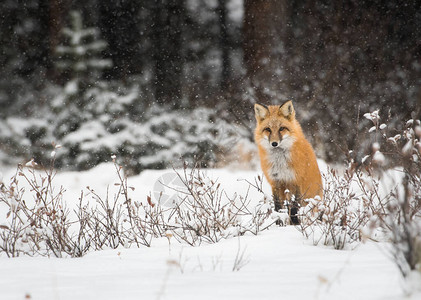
(224, 44)
(57, 11)
(263, 27)
(167, 43)
(119, 29)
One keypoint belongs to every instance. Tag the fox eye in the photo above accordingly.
(283, 128)
(267, 129)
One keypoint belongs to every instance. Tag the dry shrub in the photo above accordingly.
(339, 219)
(44, 226)
(204, 212)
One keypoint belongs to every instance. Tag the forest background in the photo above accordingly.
(155, 81)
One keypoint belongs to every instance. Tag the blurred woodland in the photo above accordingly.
(152, 81)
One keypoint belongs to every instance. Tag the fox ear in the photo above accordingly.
(260, 112)
(287, 110)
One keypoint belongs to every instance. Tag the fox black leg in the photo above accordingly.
(277, 208)
(277, 203)
(293, 213)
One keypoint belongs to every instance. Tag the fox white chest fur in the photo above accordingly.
(279, 159)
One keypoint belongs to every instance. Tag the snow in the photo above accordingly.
(20, 126)
(373, 116)
(379, 158)
(407, 148)
(236, 10)
(71, 88)
(279, 263)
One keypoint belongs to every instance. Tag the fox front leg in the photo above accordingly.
(293, 213)
(280, 194)
(277, 202)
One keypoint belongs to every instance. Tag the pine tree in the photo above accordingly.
(79, 58)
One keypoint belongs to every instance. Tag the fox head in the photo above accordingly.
(277, 127)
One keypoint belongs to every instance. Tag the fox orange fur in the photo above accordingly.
(287, 158)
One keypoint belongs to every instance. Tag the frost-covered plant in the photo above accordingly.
(340, 217)
(203, 212)
(403, 218)
(354, 205)
(39, 223)
(118, 221)
(12, 230)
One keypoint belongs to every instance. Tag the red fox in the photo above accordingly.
(287, 158)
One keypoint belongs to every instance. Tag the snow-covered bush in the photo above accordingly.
(38, 221)
(203, 212)
(162, 139)
(142, 139)
(364, 200)
(340, 218)
(39, 225)
(24, 137)
(403, 217)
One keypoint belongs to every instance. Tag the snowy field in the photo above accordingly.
(279, 263)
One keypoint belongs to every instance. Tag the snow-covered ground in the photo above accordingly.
(279, 263)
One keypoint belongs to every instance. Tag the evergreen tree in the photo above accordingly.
(79, 58)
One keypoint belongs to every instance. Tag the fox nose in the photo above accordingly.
(274, 144)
